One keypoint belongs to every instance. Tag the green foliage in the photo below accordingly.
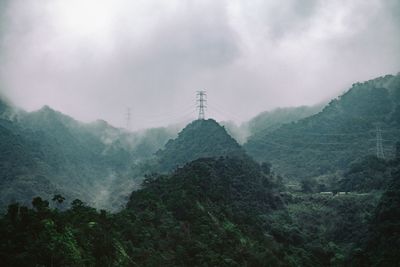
(211, 212)
(367, 174)
(45, 237)
(383, 244)
(206, 213)
(269, 121)
(201, 138)
(309, 185)
(322, 230)
(341, 133)
(222, 209)
(46, 152)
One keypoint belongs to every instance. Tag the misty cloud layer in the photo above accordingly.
(94, 58)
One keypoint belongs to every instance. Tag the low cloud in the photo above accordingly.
(93, 59)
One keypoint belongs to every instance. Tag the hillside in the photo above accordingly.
(46, 152)
(342, 132)
(199, 139)
(206, 213)
(211, 212)
(382, 247)
(269, 121)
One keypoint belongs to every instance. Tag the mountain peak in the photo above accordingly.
(3, 106)
(199, 139)
(333, 138)
(46, 113)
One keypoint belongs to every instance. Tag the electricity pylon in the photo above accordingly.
(201, 104)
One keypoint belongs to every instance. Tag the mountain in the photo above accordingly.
(55, 155)
(269, 121)
(367, 174)
(46, 152)
(382, 248)
(380, 245)
(208, 213)
(344, 131)
(3, 106)
(20, 167)
(199, 139)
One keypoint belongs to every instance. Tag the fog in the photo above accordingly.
(94, 59)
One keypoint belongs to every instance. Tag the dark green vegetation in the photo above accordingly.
(269, 121)
(201, 138)
(344, 131)
(383, 243)
(370, 173)
(208, 212)
(212, 205)
(46, 152)
(212, 212)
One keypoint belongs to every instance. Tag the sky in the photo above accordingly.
(94, 59)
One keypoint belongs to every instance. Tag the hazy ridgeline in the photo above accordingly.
(46, 152)
(200, 133)
(317, 193)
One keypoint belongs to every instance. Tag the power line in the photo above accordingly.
(379, 146)
(167, 116)
(163, 112)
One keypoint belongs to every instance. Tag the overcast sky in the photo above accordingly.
(95, 58)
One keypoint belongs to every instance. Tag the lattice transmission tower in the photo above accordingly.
(128, 119)
(201, 104)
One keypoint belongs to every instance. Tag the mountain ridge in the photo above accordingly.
(199, 139)
(342, 132)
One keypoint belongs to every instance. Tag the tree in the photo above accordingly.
(39, 204)
(266, 167)
(77, 204)
(308, 185)
(58, 198)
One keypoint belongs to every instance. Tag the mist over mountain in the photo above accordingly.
(199, 133)
(268, 121)
(46, 152)
(197, 197)
(199, 139)
(345, 130)
(271, 120)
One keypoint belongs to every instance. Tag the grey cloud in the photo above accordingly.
(153, 56)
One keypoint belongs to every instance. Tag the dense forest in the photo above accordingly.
(45, 151)
(211, 212)
(343, 132)
(306, 191)
(199, 139)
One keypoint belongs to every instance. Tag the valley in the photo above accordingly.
(197, 196)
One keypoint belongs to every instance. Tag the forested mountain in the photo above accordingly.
(344, 131)
(207, 212)
(210, 204)
(382, 248)
(3, 106)
(269, 121)
(367, 174)
(199, 139)
(46, 152)
(214, 212)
